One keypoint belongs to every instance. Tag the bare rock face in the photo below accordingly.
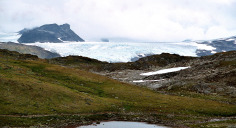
(49, 33)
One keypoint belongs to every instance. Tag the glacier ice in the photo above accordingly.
(129, 51)
(118, 51)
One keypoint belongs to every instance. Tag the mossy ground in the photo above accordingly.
(35, 87)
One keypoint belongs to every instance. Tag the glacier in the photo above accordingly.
(116, 51)
(129, 51)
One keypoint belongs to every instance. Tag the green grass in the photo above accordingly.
(30, 87)
(228, 63)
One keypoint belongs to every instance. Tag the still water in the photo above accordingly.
(122, 124)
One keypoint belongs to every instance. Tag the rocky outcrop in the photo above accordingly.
(49, 33)
(208, 75)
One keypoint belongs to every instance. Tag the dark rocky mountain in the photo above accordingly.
(24, 30)
(220, 45)
(49, 33)
(27, 49)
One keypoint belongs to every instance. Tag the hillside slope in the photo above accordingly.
(31, 87)
(214, 76)
(217, 45)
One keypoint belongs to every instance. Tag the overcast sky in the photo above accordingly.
(142, 20)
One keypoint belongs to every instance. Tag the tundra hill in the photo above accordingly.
(36, 93)
(213, 75)
(144, 63)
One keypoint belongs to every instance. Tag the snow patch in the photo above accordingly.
(197, 45)
(60, 39)
(213, 52)
(203, 46)
(230, 40)
(164, 71)
(142, 81)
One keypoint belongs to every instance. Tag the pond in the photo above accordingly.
(122, 124)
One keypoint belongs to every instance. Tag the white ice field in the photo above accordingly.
(114, 51)
(117, 51)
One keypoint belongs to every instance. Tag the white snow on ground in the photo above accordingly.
(213, 52)
(203, 46)
(142, 81)
(116, 51)
(230, 40)
(199, 46)
(164, 71)
(60, 39)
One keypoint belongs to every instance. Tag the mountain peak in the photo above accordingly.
(66, 26)
(49, 33)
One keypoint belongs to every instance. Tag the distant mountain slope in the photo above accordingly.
(49, 33)
(218, 45)
(27, 49)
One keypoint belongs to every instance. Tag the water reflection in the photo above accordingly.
(122, 124)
